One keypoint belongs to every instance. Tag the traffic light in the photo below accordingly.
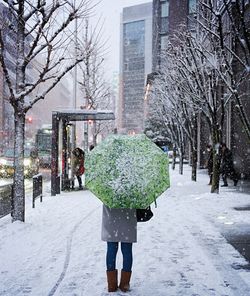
(29, 119)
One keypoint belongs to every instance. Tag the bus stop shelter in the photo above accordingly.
(60, 121)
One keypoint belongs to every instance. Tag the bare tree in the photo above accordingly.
(231, 21)
(195, 86)
(207, 70)
(167, 110)
(43, 33)
(203, 85)
(97, 92)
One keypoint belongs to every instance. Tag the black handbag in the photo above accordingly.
(144, 215)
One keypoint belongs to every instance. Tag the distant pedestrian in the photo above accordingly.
(210, 163)
(77, 166)
(119, 226)
(227, 166)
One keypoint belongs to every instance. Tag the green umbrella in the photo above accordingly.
(127, 171)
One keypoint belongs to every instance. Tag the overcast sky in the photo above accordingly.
(111, 10)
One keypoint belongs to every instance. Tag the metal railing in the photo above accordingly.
(6, 195)
(37, 188)
(6, 199)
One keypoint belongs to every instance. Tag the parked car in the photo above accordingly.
(177, 158)
(31, 163)
(171, 156)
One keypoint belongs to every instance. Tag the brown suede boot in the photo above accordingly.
(125, 279)
(112, 280)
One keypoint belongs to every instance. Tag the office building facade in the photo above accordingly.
(6, 110)
(169, 16)
(135, 63)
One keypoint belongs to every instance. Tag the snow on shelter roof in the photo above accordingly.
(82, 114)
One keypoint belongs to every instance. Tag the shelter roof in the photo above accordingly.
(82, 114)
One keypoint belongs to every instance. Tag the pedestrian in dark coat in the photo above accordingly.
(78, 165)
(210, 163)
(119, 226)
(227, 166)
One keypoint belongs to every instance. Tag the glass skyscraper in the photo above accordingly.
(135, 63)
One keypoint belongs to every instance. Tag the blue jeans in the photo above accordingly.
(112, 248)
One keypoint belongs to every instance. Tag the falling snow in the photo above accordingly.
(180, 251)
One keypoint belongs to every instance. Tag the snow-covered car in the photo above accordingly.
(171, 155)
(31, 163)
(177, 158)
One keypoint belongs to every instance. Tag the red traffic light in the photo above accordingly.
(29, 119)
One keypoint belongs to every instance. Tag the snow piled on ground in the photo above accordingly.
(181, 251)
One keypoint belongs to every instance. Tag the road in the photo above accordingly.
(5, 201)
(28, 182)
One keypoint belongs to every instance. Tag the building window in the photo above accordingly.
(164, 42)
(164, 16)
(164, 25)
(192, 6)
(165, 9)
(134, 39)
(133, 53)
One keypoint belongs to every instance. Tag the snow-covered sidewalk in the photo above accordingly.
(181, 251)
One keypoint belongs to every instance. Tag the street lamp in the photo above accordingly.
(147, 91)
(150, 79)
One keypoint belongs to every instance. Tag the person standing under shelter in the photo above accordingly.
(77, 166)
(119, 226)
(227, 166)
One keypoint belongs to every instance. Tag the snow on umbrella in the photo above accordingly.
(127, 171)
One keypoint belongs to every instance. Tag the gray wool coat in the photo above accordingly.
(119, 225)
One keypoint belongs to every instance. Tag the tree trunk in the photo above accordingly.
(216, 160)
(194, 164)
(181, 153)
(243, 117)
(194, 146)
(174, 159)
(216, 173)
(19, 117)
(181, 164)
(18, 212)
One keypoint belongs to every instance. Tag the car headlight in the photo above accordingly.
(3, 161)
(27, 162)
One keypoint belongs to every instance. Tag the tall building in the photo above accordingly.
(6, 110)
(135, 63)
(235, 133)
(168, 17)
(9, 37)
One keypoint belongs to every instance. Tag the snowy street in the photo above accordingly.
(180, 251)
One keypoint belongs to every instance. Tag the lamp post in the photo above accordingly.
(149, 82)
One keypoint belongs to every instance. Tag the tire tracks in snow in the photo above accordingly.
(68, 253)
